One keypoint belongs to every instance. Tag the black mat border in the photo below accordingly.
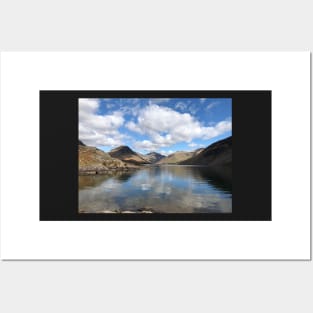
(251, 155)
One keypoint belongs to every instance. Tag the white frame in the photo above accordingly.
(287, 74)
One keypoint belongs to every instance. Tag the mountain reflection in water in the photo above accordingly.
(164, 189)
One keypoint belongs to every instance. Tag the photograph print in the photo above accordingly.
(154, 155)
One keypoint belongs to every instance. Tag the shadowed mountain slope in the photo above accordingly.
(217, 154)
(153, 157)
(127, 155)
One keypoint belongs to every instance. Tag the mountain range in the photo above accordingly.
(91, 159)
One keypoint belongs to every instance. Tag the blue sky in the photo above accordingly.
(164, 125)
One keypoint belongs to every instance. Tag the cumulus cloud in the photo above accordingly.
(146, 145)
(132, 109)
(166, 127)
(99, 130)
(159, 125)
(131, 125)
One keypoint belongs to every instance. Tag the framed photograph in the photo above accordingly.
(155, 156)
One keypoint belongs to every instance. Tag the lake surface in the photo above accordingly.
(164, 189)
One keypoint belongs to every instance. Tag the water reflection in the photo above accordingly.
(166, 189)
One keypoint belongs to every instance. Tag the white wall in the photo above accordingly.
(156, 286)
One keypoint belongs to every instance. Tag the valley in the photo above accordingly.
(95, 161)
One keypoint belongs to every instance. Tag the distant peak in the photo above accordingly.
(153, 153)
(121, 148)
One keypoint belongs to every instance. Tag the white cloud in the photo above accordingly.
(132, 109)
(99, 130)
(166, 127)
(180, 105)
(110, 105)
(163, 126)
(166, 153)
(146, 145)
(88, 106)
(128, 106)
(158, 100)
(131, 125)
(202, 100)
(193, 145)
(210, 106)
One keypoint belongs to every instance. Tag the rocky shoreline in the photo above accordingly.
(93, 161)
(117, 211)
(102, 171)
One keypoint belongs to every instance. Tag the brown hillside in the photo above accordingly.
(127, 155)
(94, 161)
(176, 157)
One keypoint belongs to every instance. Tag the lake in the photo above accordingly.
(161, 189)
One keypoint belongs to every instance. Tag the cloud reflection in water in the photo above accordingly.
(166, 189)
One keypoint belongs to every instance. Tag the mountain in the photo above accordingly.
(179, 156)
(176, 157)
(80, 143)
(153, 157)
(196, 152)
(94, 161)
(127, 155)
(217, 154)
